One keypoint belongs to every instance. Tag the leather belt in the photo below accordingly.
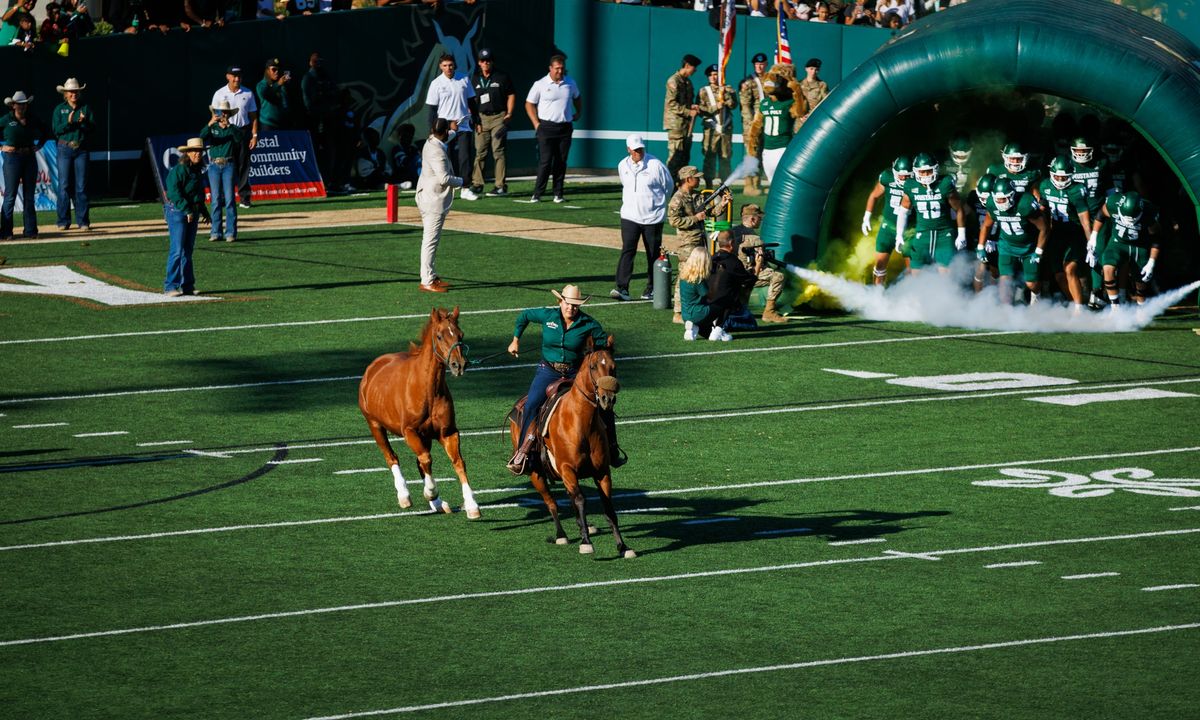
(561, 368)
(221, 161)
(73, 144)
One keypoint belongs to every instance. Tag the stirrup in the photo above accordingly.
(519, 464)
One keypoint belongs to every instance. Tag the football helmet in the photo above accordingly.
(925, 169)
(1129, 209)
(1060, 172)
(960, 149)
(1014, 157)
(1003, 193)
(901, 168)
(1081, 150)
(983, 188)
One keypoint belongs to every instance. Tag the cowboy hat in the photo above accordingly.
(71, 85)
(570, 294)
(192, 144)
(18, 98)
(224, 106)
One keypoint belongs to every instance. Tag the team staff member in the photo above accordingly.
(452, 98)
(679, 114)
(565, 331)
(183, 209)
(750, 94)
(496, 98)
(246, 118)
(645, 186)
(73, 123)
(23, 135)
(435, 194)
(552, 105)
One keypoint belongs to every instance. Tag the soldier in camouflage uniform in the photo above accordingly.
(813, 87)
(746, 237)
(686, 214)
(715, 103)
(750, 93)
(679, 114)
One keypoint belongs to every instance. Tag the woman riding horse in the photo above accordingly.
(565, 330)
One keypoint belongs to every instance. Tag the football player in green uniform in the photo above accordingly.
(890, 183)
(1018, 215)
(1070, 223)
(932, 196)
(1014, 168)
(958, 163)
(986, 254)
(1132, 247)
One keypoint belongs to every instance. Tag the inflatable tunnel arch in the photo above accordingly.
(1088, 51)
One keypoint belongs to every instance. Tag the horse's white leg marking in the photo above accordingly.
(431, 494)
(431, 491)
(469, 503)
(401, 488)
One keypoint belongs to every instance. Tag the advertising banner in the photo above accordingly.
(283, 165)
(45, 191)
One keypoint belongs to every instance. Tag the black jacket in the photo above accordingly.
(729, 278)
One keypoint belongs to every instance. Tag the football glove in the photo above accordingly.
(1148, 271)
(866, 224)
(960, 242)
(980, 254)
(990, 246)
(1037, 256)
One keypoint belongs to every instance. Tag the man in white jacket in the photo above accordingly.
(646, 186)
(435, 194)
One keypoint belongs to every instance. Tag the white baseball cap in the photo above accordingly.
(634, 142)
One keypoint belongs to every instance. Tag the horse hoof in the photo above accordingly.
(430, 495)
(629, 555)
(473, 513)
(592, 530)
(405, 502)
(561, 541)
(586, 549)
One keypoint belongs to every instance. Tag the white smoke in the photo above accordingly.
(943, 300)
(748, 166)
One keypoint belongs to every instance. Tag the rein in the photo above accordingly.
(485, 358)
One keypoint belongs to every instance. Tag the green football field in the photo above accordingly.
(836, 518)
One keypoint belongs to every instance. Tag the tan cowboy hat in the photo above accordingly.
(192, 144)
(570, 294)
(71, 85)
(224, 106)
(18, 98)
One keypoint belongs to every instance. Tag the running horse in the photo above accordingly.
(577, 444)
(405, 393)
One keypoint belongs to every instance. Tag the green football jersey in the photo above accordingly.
(1023, 181)
(1016, 229)
(931, 204)
(1065, 205)
(1132, 231)
(777, 123)
(895, 193)
(1095, 180)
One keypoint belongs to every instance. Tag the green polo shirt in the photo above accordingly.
(32, 134)
(560, 345)
(272, 104)
(76, 130)
(185, 189)
(221, 141)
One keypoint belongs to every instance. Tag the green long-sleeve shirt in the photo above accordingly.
(560, 345)
(272, 104)
(29, 135)
(73, 125)
(221, 141)
(185, 189)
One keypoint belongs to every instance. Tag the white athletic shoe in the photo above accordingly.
(690, 331)
(468, 194)
(718, 334)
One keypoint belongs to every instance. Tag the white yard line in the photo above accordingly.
(647, 494)
(864, 541)
(438, 599)
(693, 677)
(1181, 586)
(1189, 507)
(1089, 576)
(164, 442)
(101, 434)
(1023, 563)
(39, 425)
(294, 461)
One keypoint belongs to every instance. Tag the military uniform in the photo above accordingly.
(750, 94)
(677, 121)
(814, 91)
(715, 107)
(689, 230)
(770, 278)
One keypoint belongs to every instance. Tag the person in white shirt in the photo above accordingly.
(435, 194)
(245, 116)
(646, 186)
(552, 104)
(452, 98)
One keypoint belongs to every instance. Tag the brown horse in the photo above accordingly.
(577, 443)
(405, 393)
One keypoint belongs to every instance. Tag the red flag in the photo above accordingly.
(727, 29)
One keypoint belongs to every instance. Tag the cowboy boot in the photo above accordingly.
(771, 313)
(522, 462)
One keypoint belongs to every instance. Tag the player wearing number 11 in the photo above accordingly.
(932, 196)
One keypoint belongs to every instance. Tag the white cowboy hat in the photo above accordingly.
(192, 144)
(224, 106)
(71, 85)
(570, 294)
(18, 98)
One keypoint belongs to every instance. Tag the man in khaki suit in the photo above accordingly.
(435, 193)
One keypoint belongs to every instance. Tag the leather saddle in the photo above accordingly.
(554, 395)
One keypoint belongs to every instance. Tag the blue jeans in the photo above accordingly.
(542, 377)
(221, 188)
(179, 257)
(72, 161)
(19, 170)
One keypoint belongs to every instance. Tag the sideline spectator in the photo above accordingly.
(435, 195)
(452, 98)
(183, 209)
(645, 187)
(54, 27)
(26, 33)
(728, 282)
(10, 22)
(405, 157)
(552, 104)
(80, 23)
(496, 97)
(163, 15)
(246, 118)
(822, 14)
(716, 102)
(902, 8)
(679, 115)
(892, 21)
(319, 93)
(223, 139)
(73, 122)
(210, 13)
(699, 317)
(369, 161)
(749, 248)
(273, 96)
(22, 136)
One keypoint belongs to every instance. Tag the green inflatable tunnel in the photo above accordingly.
(1091, 52)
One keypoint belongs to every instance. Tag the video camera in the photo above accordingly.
(767, 250)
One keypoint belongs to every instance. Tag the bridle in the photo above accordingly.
(594, 398)
(445, 357)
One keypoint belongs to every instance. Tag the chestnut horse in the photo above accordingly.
(577, 443)
(405, 393)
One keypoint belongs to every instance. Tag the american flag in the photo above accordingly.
(725, 47)
(784, 53)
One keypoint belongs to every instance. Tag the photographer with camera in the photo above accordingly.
(757, 259)
(729, 282)
(273, 96)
